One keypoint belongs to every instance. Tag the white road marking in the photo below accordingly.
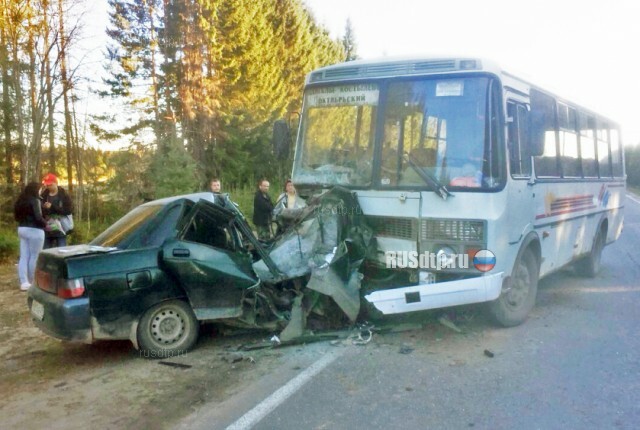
(265, 407)
(630, 197)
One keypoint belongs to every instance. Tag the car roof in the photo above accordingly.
(193, 197)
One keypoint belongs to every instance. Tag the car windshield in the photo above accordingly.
(122, 232)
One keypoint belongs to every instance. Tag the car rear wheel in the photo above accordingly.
(167, 329)
(519, 296)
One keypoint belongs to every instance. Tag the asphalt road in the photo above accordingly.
(573, 365)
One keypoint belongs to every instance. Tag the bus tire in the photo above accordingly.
(519, 296)
(589, 266)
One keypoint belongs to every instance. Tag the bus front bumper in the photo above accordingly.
(437, 295)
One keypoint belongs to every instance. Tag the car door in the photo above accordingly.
(208, 260)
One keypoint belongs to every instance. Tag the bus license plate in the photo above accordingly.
(37, 310)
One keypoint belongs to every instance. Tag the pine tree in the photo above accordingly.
(349, 43)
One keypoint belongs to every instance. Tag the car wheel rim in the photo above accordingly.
(167, 327)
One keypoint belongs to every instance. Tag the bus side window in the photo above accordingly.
(543, 109)
(617, 166)
(604, 158)
(518, 135)
(587, 145)
(569, 150)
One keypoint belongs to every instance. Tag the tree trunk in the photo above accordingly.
(7, 114)
(154, 79)
(33, 151)
(49, 88)
(65, 96)
(78, 162)
(19, 109)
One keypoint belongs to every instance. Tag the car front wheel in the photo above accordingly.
(167, 329)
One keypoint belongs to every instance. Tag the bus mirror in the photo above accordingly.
(537, 131)
(281, 139)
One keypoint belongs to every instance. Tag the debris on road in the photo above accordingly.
(233, 357)
(177, 365)
(363, 336)
(406, 349)
(488, 353)
(446, 321)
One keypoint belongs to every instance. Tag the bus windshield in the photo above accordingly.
(431, 128)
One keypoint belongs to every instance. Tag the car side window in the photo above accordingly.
(162, 231)
(208, 230)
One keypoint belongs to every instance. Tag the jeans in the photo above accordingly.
(31, 242)
(55, 242)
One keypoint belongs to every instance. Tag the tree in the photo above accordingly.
(219, 73)
(349, 42)
(171, 172)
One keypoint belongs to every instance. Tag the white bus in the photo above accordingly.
(452, 156)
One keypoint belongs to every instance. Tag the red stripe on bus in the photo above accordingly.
(564, 212)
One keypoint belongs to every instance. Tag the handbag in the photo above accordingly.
(53, 224)
(66, 222)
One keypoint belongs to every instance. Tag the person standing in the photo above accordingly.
(28, 212)
(215, 185)
(262, 209)
(288, 206)
(216, 188)
(55, 203)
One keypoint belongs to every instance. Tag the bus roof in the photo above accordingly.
(391, 67)
(387, 67)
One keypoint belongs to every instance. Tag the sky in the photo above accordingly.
(583, 50)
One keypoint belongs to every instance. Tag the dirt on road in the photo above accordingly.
(46, 383)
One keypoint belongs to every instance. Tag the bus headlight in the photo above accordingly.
(445, 256)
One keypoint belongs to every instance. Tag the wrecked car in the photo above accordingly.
(170, 264)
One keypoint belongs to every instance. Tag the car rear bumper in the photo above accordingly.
(437, 295)
(66, 319)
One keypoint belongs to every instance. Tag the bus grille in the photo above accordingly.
(447, 229)
(403, 228)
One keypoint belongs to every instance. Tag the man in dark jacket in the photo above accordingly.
(56, 203)
(262, 209)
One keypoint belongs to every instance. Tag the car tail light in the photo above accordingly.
(70, 288)
(45, 281)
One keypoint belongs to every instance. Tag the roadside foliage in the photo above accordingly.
(191, 89)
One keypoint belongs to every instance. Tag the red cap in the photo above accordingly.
(49, 179)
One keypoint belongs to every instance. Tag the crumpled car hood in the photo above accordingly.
(326, 246)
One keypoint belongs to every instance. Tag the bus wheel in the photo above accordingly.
(167, 329)
(519, 296)
(589, 266)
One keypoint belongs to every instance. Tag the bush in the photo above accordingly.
(9, 245)
(85, 232)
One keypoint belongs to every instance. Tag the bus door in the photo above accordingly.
(520, 209)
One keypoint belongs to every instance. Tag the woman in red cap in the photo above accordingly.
(55, 203)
